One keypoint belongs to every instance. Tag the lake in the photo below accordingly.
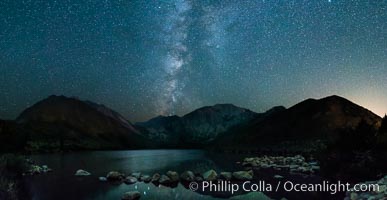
(62, 184)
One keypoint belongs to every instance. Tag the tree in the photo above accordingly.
(383, 126)
(361, 138)
(352, 155)
(382, 134)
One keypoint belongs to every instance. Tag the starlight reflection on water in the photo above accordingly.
(62, 184)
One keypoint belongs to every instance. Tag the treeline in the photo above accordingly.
(358, 154)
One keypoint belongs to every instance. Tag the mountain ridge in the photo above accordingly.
(310, 120)
(200, 126)
(81, 124)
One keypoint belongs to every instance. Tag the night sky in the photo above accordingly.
(146, 58)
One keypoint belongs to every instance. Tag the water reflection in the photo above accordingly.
(62, 184)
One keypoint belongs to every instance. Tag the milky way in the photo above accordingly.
(177, 56)
(148, 58)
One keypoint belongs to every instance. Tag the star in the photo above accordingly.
(172, 57)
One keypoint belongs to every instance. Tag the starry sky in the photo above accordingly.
(148, 58)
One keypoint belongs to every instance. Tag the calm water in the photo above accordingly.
(62, 184)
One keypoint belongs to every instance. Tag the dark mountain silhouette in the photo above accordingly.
(70, 123)
(163, 131)
(60, 122)
(307, 123)
(207, 123)
(201, 126)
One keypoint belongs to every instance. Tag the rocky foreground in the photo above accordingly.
(379, 194)
(294, 164)
(170, 179)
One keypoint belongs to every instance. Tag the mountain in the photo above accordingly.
(199, 127)
(307, 124)
(163, 131)
(62, 122)
(59, 122)
(206, 124)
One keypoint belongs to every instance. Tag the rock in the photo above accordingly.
(278, 177)
(251, 196)
(29, 161)
(103, 179)
(382, 189)
(130, 180)
(81, 172)
(136, 174)
(134, 195)
(187, 176)
(45, 169)
(225, 176)
(35, 169)
(265, 166)
(164, 179)
(316, 168)
(353, 196)
(114, 176)
(173, 176)
(155, 177)
(243, 175)
(294, 164)
(365, 196)
(198, 179)
(210, 175)
(380, 197)
(146, 178)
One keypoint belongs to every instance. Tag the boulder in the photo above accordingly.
(45, 169)
(164, 179)
(114, 176)
(133, 195)
(146, 178)
(35, 169)
(243, 175)
(278, 177)
(136, 174)
(198, 178)
(81, 172)
(187, 176)
(210, 175)
(173, 176)
(265, 166)
(382, 189)
(130, 180)
(225, 176)
(354, 196)
(316, 168)
(155, 177)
